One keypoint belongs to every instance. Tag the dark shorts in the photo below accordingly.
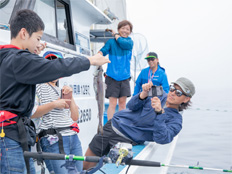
(116, 88)
(101, 144)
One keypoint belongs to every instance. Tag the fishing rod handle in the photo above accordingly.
(44, 155)
(96, 159)
(144, 163)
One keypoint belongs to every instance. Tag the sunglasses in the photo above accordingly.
(151, 59)
(177, 91)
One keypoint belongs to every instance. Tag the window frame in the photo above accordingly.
(55, 40)
(22, 4)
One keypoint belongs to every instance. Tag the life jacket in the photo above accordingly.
(5, 117)
(26, 129)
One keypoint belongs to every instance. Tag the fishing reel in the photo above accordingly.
(121, 153)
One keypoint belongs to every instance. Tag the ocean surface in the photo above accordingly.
(206, 137)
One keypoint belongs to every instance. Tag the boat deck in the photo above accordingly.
(113, 169)
(150, 151)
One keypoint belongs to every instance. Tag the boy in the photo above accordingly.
(21, 70)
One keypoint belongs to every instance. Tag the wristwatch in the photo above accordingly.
(116, 34)
(159, 112)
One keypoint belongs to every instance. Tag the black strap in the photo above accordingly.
(53, 132)
(46, 132)
(23, 141)
(60, 141)
(54, 89)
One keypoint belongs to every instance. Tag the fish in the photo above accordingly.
(99, 89)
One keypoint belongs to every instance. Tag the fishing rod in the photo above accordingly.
(196, 167)
(158, 164)
(41, 156)
(53, 156)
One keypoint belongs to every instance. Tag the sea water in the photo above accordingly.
(206, 137)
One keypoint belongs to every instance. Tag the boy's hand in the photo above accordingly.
(98, 60)
(40, 48)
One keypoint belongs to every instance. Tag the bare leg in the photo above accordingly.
(111, 108)
(87, 165)
(122, 103)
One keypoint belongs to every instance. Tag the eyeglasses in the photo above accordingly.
(151, 59)
(177, 91)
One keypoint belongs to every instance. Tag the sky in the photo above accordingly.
(193, 38)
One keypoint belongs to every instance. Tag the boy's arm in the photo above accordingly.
(33, 69)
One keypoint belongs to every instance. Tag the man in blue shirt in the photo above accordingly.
(154, 73)
(145, 119)
(118, 71)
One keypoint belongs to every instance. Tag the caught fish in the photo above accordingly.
(100, 97)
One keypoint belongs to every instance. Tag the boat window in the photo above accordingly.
(46, 10)
(62, 22)
(6, 8)
(56, 17)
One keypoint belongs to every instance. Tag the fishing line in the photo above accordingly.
(102, 145)
(102, 171)
(208, 109)
(127, 169)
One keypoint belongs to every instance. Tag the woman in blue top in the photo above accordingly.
(118, 71)
(154, 73)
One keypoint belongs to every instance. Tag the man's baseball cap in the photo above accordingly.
(52, 55)
(186, 85)
(151, 55)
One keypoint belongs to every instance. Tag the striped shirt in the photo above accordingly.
(56, 118)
